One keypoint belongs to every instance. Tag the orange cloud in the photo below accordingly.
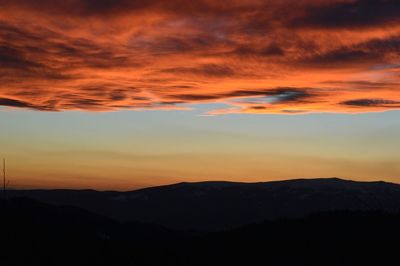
(256, 57)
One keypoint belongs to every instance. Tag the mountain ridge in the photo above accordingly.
(219, 182)
(216, 205)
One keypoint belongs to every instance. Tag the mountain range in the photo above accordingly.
(215, 206)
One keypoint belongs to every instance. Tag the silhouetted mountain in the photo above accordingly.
(39, 234)
(223, 205)
(73, 220)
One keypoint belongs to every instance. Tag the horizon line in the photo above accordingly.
(207, 181)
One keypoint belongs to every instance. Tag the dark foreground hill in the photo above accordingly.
(212, 206)
(35, 233)
(39, 234)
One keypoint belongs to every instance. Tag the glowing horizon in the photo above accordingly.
(127, 150)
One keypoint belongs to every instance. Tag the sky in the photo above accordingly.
(125, 94)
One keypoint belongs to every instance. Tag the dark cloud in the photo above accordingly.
(256, 23)
(372, 103)
(139, 98)
(271, 50)
(162, 45)
(23, 104)
(345, 57)
(175, 44)
(15, 62)
(246, 93)
(83, 103)
(360, 13)
(195, 97)
(294, 111)
(79, 7)
(384, 45)
(12, 58)
(363, 85)
(258, 107)
(38, 50)
(112, 8)
(375, 51)
(289, 95)
(209, 70)
(20, 34)
(117, 95)
(171, 102)
(92, 7)
(278, 95)
(14, 103)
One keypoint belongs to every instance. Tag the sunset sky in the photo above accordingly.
(121, 94)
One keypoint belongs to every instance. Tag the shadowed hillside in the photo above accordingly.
(222, 205)
(40, 234)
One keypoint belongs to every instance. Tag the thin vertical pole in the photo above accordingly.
(4, 177)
